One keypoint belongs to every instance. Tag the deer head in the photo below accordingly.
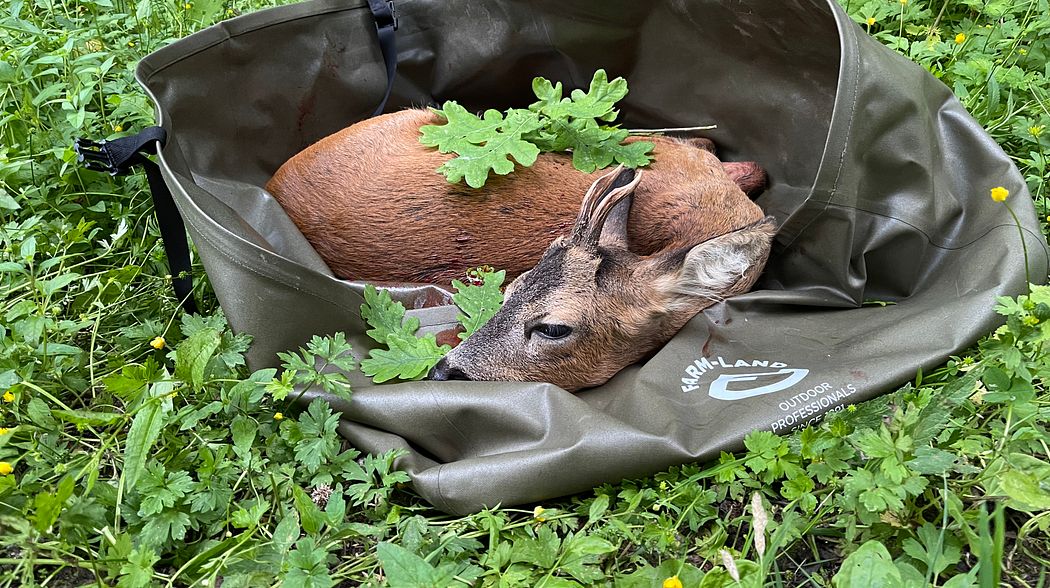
(590, 307)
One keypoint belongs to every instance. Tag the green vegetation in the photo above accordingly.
(136, 450)
(409, 356)
(550, 124)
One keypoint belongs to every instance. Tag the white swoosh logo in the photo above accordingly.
(719, 388)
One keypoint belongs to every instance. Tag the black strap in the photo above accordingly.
(117, 157)
(386, 24)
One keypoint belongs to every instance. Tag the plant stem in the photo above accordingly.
(1024, 248)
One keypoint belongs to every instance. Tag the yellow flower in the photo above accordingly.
(118, 128)
(871, 21)
(1030, 320)
(1037, 130)
(131, 43)
(537, 513)
(157, 343)
(277, 416)
(1000, 194)
(188, 5)
(5, 468)
(672, 582)
(9, 397)
(904, 2)
(1023, 51)
(960, 38)
(4, 431)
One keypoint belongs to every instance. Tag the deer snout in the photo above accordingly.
(442, 371)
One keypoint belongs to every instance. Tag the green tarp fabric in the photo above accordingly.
(879, 179)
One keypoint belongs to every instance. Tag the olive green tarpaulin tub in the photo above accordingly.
(879, 179)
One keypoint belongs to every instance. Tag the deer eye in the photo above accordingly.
(550, 331)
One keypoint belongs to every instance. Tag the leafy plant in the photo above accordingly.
(137, 449)
(553, 123)
(408, 356)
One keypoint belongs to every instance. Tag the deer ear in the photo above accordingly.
(614, 233)
(602, 197)
(717, 268)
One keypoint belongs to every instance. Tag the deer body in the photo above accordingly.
(609, 265)
(369, 201)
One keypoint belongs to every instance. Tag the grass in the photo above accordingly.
(130, 464)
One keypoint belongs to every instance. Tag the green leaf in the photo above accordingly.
(47, 506)
(308, 566)
(409, 358)
(145, 428)
(495, 154)
(6, 201)
(286, 533)
(461, 126)
(935, 548)
(597, 509)
(309, 515)
(248, 515)
(405, 569)
(189, 419)
(87, 417)
(385, 316)
(161, 490)
(168, 525)
(138, 571)
(869, 567)
(243, 431)
(320, 442)
(478, 302)
(932, 461)
(1024, 488)
(280, 388)
(598, 101)
(193, 354)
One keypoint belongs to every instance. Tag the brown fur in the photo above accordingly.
(370, 202)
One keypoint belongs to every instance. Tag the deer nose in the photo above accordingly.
(442, 372)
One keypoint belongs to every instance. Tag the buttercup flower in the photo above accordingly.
(157, 343)
(673, 582)
(5, 468)
(277, 416)
(537, 513)
(118, 128)
(9, 397)
(4, 431)
(1036, 130)
(960, 38)
(871, 21)
(1000, 194)
(904, 2)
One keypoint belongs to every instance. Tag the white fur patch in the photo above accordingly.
(711, 271)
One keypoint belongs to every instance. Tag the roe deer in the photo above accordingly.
(618, 281)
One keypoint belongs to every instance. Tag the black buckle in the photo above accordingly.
(95, 155)
(386, 15)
